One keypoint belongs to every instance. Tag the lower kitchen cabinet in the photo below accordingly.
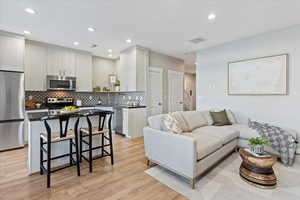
(134, 120)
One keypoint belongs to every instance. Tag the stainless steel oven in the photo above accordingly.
(61, 83)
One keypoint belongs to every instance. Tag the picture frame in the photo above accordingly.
(266, 75)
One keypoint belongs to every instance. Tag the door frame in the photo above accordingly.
(170, 72)
(161, 72)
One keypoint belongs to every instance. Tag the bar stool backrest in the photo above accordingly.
(63, 126)
(101, 123)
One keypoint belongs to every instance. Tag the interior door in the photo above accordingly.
(155, 91)
(175, 85)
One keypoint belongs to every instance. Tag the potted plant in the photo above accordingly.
(117, 85)
(257, 144)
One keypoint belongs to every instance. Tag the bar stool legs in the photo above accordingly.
(48, 161)
(105, 134)
(77, 150)
(90, 152)
(111, 147)
(47, 142)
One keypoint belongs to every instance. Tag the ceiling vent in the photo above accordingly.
(197, 40)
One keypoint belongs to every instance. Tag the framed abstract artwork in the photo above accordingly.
(258, 76)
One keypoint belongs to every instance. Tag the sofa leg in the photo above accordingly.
(148, 162)
(193, 183)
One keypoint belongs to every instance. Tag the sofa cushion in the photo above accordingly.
(206, 144)
(223, 133)
(194, 119)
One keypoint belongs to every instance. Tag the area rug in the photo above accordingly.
(224, 183)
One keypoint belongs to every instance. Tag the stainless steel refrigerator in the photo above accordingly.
(11, 110)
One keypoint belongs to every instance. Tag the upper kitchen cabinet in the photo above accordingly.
(12, 52)
(84, 72)
(35, 66)
(133, 68)
(102, 69)
(60, 61)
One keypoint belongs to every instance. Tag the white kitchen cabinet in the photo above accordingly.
(60, 61)
(132, 69)
(12, 52)
(84, 73)
(134, 120)
(35, 66)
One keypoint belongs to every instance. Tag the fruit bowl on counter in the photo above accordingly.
(69, 110)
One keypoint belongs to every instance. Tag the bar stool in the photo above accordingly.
(46, 139)
(106, 135)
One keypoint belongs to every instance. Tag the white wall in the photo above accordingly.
(102, 68)
(212, 79)
(166, 63)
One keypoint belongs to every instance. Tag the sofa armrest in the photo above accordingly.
(173, 151)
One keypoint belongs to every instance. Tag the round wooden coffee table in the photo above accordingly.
(258, 171)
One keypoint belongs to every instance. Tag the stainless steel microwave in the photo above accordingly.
(61, 83)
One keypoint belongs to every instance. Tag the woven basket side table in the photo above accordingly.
(258, 171)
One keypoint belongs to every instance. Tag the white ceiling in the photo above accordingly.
(162, 25)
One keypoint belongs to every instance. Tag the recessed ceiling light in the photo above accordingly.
(76, 43)
(109, 50)
(212, 16)
(27, 32)
(109, 55)
(30, 11)
(91, 29)
(128, 40)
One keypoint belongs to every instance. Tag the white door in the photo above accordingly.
(175, 85)
(155, 91)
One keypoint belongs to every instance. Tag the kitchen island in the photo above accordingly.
(35, 126)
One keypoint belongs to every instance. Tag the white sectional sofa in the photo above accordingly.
(190, 154)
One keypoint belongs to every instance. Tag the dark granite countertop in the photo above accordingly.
(86, 106)
(51, 116)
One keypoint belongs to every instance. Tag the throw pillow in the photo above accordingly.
(229, 113)
(171, 124)
(231, 117)
(178, 116)
(208, 118)
(220, 118)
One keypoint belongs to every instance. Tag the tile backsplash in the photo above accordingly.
(88, 98)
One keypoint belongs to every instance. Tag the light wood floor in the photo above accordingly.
(124, 180)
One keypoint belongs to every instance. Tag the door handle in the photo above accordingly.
(180, 102)
(159, 103)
